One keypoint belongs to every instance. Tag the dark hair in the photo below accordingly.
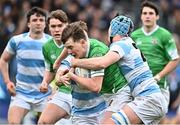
(82, 24)
(58, 14)
(151, 5)
(75, 31)
(36, 10)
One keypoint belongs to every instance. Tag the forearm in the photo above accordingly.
(87, 83)
(4, 70)
(48, 77)
(90, 63)
(169, 68)
(62, 56)
(96, 63)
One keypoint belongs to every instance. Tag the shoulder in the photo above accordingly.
(97, 48)
(136, 31)
(49, 41)
(135, 34)
(164, 31)
(48, 44)
(47, 36)
(20, 36)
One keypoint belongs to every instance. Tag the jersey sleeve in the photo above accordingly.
(119, 48)
(48, 64)
(11, 46)
(170, 47)
(66, 63)
(100, 72)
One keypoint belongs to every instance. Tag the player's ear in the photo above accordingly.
(82, 41)
(157, 18)
(28, 24)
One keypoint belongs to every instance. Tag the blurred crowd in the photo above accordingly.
(97, 14)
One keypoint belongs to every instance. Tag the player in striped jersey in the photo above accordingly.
(90, 87)
(27, 48)
(148, 105)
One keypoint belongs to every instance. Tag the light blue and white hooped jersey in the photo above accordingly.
(30, 65)
(135, 68)
(85, 102)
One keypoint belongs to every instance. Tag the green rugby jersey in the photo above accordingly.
(51, 50)
(158, 47)
(113, 79)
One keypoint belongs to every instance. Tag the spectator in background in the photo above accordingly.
(30, 68)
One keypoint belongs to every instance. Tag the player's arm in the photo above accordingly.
(93, 84)
(62, 71)
(49, 73)
(48, 77)
(4, 67)
(61, 57)
(167, 69)
(172, 53)
(97, 62)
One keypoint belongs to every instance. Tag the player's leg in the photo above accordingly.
(51, 114)
(17, 110)
(57, 108)
(143, 109)
(16, 114)
(118, 100)
(126, 116)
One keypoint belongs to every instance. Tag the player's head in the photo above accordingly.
(58, 14)
(120, 25)
(74, 30)
(36, 16)
(74, 38)
(36, 11)
(57, 21)
(149, 14)
(150, 5)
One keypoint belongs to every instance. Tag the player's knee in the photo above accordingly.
(14, 121)
(42, 121)
(120, 118)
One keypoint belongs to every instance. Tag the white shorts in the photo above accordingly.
(150, 109)
(166, 95)
(119, 99)
(63, 100)
(20, 102)
(87, 120)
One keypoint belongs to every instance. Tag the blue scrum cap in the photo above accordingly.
(121, 25)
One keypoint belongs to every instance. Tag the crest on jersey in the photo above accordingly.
(154, 41)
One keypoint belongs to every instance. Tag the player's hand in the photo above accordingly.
(62, 77)
(11, 88)
(157, 77)
(63, 80)
(43, 87)
(71, 73)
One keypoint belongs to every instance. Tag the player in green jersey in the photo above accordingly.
(89, 92)
(157, 44)
(60, 104)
